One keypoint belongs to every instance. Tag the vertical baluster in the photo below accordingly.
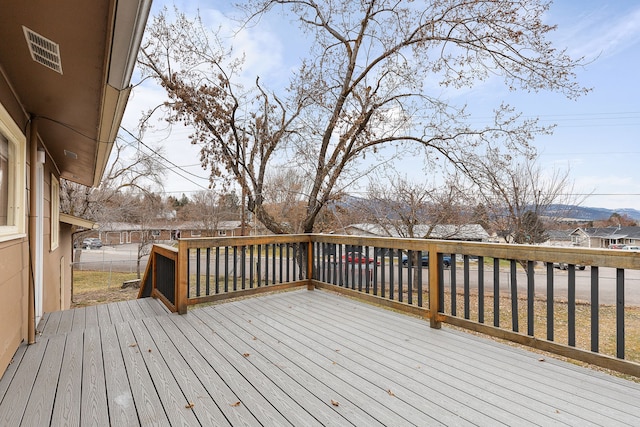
(391, 273)
(288, 263)
(466, 285)
(383, 281)
(198, 272)
(550, 302)
(481, 289)
(188, 273)
(620, 313)
(496, 292)
(251, 272)
(440, 266)
(273, 264)
(243, 267)
(259, 266)
(340, 267)
(595, 307)
(226, 269)
(376, 260)
(235, 268)
(571, 305)
(367, 270)
(410, 276)
(208, 272)
(353, 269)
(410, 268)
(281, 263)
(454, 285)
(419, 278)
(531, 292)
(266, 264)
(217, 270)
(297, 272)
(400, 284)
(514, 296)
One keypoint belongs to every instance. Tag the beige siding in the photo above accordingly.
(13, 304)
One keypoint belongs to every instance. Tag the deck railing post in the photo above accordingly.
(434, 291)
(182, 279)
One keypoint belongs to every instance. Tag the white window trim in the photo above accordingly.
(55, 212)
(17, 192)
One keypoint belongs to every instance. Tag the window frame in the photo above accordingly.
(17, 169)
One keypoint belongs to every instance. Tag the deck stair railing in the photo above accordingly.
(513, 292)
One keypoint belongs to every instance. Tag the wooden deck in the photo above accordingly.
(299, 358)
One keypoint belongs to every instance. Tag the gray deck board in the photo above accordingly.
(266, 358)
(500, 365)
(66, 409)
(66, 321)
(91, 317)
(320, 372)
(115, 315)
(202, 405)
(492, 383)
(94, 391)
(17, 396)
(385, 388)
(51, 326)
(148, 404)
(40, 404)
(281, 359)
(122, 409)
(203, 362)
(171, 397)
(250, 387)
(469, 399)
(7, 378)
(79, 319)
(102, 312)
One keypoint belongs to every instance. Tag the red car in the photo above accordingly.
(358, 258)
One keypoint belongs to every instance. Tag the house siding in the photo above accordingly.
(13, 304)
(14, 261)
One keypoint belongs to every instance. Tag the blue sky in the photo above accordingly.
(597, 136)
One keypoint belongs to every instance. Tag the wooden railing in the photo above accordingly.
(507, 291)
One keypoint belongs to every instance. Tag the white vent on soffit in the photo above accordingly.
(43, 50)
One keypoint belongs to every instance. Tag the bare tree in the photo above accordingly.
(520, 200)
(403, 208)
(372, 79)
(129, 169)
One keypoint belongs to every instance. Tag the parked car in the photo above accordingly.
(565, 266)
(424, 261)
(631, 248)
(357, 258)
(91, 243)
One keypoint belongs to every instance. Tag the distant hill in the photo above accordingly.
(584, 213)
(578, 213)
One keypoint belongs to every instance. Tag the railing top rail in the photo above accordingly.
(165, 250)
(571, 255)
(203, 242)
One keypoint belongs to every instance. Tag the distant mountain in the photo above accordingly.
(578, 213)
(584, 213)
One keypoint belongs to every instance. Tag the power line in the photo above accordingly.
(168, 161)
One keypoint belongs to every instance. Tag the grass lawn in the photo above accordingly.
(98, 287)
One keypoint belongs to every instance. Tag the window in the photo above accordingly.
(4, 180)
(12, 172)
(222, 233)
(55, 212)
(196, 233)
